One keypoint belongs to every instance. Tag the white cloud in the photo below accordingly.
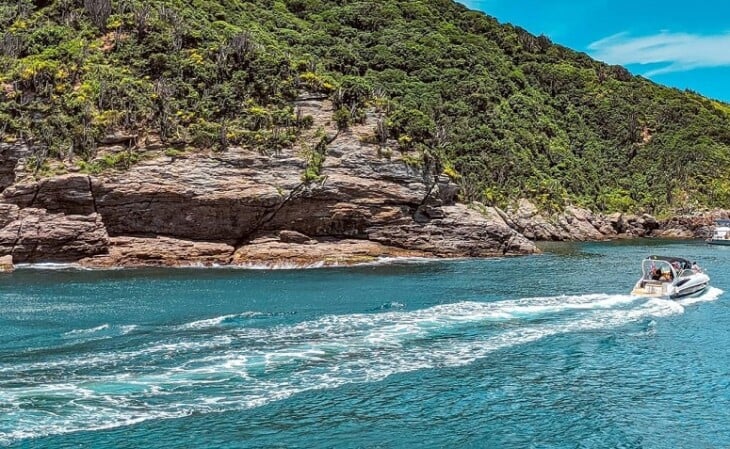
(678, 52)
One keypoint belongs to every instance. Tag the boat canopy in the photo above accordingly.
(723, 222)
(683, 263)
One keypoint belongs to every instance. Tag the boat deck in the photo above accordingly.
(650, 288)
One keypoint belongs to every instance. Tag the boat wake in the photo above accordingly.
(227, 363)
(99, 332)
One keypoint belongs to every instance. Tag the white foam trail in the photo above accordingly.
(104, 359)
(259, 366)
(414, 324)
(322, 264)
(711, 294)
(393, 305)
(216, 321)
(279, 266)
(128, 328)
(407, 260)
(203, 324)
(103, 331)
(51, 266)
(245, 266)
(93, 330)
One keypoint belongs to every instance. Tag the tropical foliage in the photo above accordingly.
(505, 113)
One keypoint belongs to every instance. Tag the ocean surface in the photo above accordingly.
(544, 351)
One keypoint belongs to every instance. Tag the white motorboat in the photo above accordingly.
(670, 277)
(721, 233)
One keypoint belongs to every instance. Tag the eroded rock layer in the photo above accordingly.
(244, 207)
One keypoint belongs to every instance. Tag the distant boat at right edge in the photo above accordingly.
(721, 233)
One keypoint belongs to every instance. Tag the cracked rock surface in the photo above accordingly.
(244, 207)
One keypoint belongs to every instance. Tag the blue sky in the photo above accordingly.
(679, 44)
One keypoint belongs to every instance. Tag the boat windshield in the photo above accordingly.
(658, 270)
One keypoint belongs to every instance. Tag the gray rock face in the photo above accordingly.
(9, 157)
(164, 209)
(35, 235)
(204, 198)
(204, 207)
(67, 194)
(528, 220)
(242, 206)
(462, 232)
(697, 225)
(577, 224)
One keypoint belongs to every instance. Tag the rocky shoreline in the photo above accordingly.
(242, 207)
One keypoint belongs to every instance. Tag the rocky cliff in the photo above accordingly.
(574, 223)
(244, 207)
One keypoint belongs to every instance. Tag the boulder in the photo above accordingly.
(287, 236)
(273, 253)
(6, 264)
(160, 251)
(528, 220)
(675, 233)
(579, 224)
(118, 138)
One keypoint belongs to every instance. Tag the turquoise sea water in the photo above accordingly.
(546, 352)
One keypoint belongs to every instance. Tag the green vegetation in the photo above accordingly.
(315, 159)
(505, 113)
(119, 161)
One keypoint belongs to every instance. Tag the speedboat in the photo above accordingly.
(721, 233)
(670, 277)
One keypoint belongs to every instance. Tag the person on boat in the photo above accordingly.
(666, 276)
(696, 268)
(656, 274)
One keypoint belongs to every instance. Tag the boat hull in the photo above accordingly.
(661, 293)
(671, 291)
(691, 290)
(722, 242)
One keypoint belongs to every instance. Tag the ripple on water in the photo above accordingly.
(250, 367)
(278, 351)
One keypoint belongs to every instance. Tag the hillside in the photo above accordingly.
(506, 113)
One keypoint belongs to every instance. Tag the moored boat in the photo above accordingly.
(670, 277)
(721, 233)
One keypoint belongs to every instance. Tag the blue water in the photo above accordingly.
(546, 352)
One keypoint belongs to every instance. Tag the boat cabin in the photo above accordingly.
(666, 269)
(670, 277)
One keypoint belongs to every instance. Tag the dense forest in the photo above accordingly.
(505, 113)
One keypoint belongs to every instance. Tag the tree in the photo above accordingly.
(99, 11)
